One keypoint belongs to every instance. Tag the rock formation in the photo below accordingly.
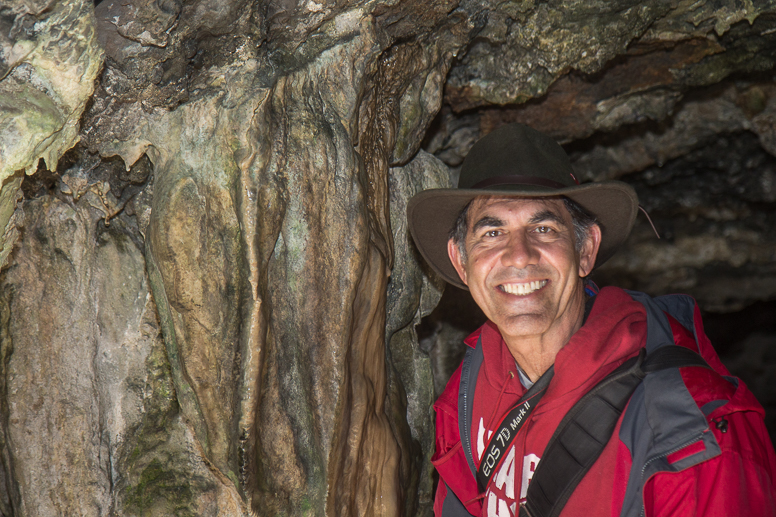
(208, 296)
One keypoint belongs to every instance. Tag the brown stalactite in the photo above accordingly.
(369, 452)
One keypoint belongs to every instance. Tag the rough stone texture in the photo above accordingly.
(10, 214)
(49, 59)
(714, 210)
(525, 47)
(413, 293)
(268, 164)
(220, 275)
(91, 424)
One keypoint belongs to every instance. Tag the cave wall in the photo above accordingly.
(208, 296)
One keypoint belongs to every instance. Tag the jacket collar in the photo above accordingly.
(615, 329)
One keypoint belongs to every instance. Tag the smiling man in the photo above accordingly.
(619, 398)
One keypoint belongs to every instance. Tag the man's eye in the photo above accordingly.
(493, 233)
(543, 229)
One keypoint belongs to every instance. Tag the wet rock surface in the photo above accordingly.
(208, 297)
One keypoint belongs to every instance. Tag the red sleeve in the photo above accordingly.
(740, 481)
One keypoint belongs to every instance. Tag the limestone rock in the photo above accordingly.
(49, 59)
(91, 425)
(713, 210)
(413, 292)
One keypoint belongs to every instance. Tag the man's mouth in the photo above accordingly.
(523, 289)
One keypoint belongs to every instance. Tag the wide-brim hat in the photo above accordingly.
(516, 160)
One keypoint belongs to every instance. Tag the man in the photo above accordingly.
(522, 235)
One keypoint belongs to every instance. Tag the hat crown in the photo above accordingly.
(512, 153)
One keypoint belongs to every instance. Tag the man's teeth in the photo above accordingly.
(523, 289)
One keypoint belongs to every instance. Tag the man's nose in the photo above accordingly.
(519, 252)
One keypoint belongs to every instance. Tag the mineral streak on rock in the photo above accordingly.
(10, 214)
(212, 307)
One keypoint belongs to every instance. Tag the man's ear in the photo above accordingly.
(589, 251)
(455, 257)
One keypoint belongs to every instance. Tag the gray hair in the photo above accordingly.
(580, 218)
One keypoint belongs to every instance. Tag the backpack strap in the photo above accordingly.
(587, 427)
(470, 370)
(663, 415)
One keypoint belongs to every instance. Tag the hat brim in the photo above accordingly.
(432, 214)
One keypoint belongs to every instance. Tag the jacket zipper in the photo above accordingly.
(466, 441)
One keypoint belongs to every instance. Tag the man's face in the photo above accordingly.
(522, 267)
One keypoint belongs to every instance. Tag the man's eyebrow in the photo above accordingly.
(547, 216)
(487, 222)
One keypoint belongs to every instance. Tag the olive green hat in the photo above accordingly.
(520, 161)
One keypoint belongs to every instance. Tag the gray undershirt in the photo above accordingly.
(524, 380)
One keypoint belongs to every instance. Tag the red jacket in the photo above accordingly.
(735, 478)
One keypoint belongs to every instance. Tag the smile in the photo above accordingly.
(523, 289)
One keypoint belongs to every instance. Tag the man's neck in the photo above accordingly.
(536, 359)
(535, 354)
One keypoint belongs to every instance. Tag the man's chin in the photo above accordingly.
(524, 325)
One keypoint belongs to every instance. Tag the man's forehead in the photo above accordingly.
(481, 204)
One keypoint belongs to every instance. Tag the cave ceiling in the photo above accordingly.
(627, 87)
(202, 220)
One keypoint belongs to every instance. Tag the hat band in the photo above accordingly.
(518, 180)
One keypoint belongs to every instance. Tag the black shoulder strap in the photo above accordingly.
(587, 427)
